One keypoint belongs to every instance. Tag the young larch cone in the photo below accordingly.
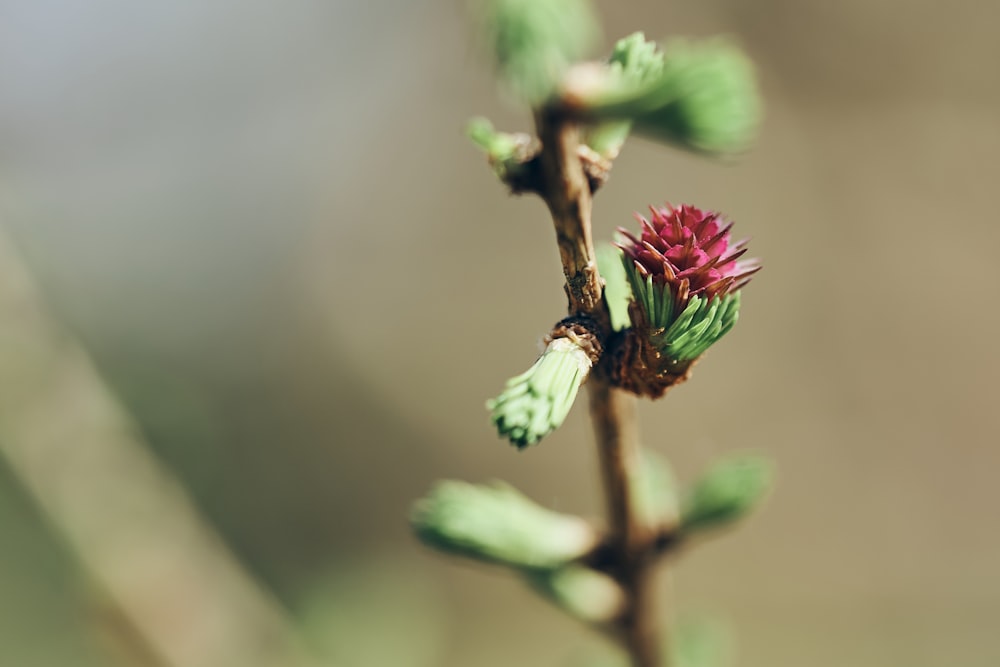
(685, 272)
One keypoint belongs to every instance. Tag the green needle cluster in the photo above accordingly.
(685, 335)
(533, 42)
(634, 62)
(536, 402)
(702, 96)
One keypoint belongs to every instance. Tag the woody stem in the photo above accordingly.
(566, 191)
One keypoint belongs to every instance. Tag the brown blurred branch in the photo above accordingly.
(131, 524)
(613, 413)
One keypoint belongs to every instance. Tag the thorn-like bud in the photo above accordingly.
(536, 402)
(497, 524)
(729, 490)
(702, 96)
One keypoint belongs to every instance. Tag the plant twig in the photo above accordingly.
(615, 426)
(567, 193)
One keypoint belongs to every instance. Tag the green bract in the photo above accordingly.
(497, 524)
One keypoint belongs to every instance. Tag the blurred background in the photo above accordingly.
(257, 237)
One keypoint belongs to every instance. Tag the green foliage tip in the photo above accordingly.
(699, 326)
(588, 595)
(533, 42)
(499, 146)
(728, 490)
(634, 62)
(704, 97)
(497, 524)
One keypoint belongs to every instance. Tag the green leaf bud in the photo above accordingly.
(655, 492)
(634, 63)
(510, 155)
(536, 402)
(499, 146)
(588, 595)
(727, 491)
(704, 98)
(497, 524)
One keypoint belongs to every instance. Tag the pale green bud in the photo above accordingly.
(533, 42)
(729, 490)
(496, 523)
(591, 596)
(704, 98)
(536, 402)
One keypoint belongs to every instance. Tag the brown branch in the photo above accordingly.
(615, 426)
(567, 192)
(523, 172)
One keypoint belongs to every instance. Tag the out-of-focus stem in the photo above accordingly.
(567, 193)
(133, 528)
(613, 413)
